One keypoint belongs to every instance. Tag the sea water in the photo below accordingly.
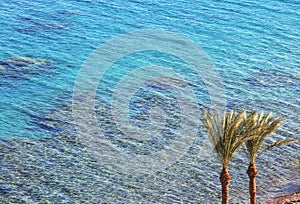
(253, 44)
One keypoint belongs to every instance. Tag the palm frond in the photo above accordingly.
(277, 144)
(263, 126)
(226, 132)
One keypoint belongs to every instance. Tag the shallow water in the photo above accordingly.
(254, 45)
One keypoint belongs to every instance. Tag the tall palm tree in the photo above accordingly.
(226, 133)
(268, 125)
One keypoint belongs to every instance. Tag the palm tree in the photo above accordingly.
(226, 133)
(268, 125)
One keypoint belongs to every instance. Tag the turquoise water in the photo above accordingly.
(241, 39)
(253, 44)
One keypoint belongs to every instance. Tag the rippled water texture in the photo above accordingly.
(253, 44)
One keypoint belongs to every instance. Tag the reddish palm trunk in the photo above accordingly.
(225, 179)
(252, 173)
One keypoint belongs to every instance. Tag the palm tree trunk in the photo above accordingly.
(252, 173)
(225, 179)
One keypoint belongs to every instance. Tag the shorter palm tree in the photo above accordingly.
(226, 133)
(267, 126)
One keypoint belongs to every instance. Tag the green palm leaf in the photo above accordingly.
(227, 132)
(263, 126)
(278, 143)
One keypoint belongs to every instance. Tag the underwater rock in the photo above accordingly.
(64, 13)
(273, 79)
(167, 83)
(18, 67)
(61, 123)
(28, 60)
(32, 25)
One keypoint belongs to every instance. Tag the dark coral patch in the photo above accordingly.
(18, 67)
(40, 27)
